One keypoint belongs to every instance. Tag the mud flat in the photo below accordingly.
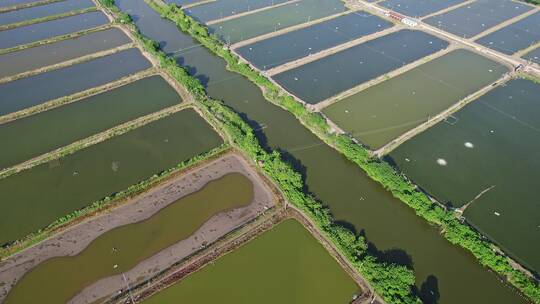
(423, 92)
(257, 272)
(514, 37)
(34, 135)
(30, 33)
(148, 233)
(54, 53)
(485, 158)
(44, 11)
(20, 94)
(418, 8)
(331, 75)
(290, 46)
(77, 180)
(472, 19)
(274, 19)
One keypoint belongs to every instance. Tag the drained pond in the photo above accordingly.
(43, 132)
(77, 180)
(59, 279)
(20, 94)
(258, 272)
(331, 75)
(353, 198)
(484, 157)
(370, 116)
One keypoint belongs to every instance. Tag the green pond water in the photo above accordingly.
(490, 145)
(48, 54)
(445, 273)
(284, 265)
(383, 112)
(75, 181)
(59, 279)
(43, 132)
(260, 23)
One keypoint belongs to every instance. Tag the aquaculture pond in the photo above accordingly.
(75, 181)
(514, 37)
(20, 94)
(419, 8)
(7, 3)
(59, 279)
(472, 19)
(274, 19)
(184, 2)
(533, 56)
(41, 11)
(259, 272)
(353, 198)
(383, 112)
(483, 157)
(225, 8)
(45, 30)
(49, 54)
(331, 75)
(43, 132)
(271, 52)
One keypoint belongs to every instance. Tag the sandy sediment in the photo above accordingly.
(74, 240)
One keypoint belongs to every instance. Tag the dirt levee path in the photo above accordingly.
(74, 240)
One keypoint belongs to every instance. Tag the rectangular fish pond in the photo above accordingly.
(241, 28)
(331, 75)
(45, 30)
(258, 272)
(20, 94)
(379, 114)
(40, 133)
(226, 8)
(484, 159)
(41, 11)
(275, 51)
(418, 8)
(77, 180)
(472, 19)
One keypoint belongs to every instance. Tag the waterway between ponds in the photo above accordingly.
(276, 267)
(418, 8)
(44, 11)
(20, 94)
(472, 19)
(488, 149)
(514, 37)
(75, 181)
(331, 75)
(43, 132)
(268, 53)
(49, 54)
(225, 8)
(122, 248)
(45, 30)
(274, 19)
(370, 116)
(443, 271)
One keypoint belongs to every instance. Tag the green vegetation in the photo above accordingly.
(392, 282)
(105, 203)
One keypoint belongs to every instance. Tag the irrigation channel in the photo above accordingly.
(75, 181)
(475, 150)
(445, 273)
(140, 238)
(282, 276)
